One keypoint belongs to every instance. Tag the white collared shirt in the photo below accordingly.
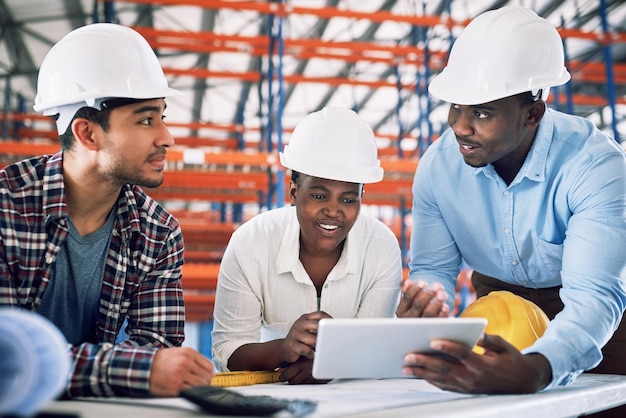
(263, 287)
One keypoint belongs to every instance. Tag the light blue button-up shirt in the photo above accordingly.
(562, 221)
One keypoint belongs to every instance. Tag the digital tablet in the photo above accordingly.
(375, 347)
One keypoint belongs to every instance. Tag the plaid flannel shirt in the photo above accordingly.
(142, 277)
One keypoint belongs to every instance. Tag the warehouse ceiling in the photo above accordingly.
(250, 70)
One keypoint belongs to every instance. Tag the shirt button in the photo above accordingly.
(514, 263)
(507, 231)
(506, 193)
(49, 259)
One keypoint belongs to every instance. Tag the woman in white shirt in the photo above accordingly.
(287, 268)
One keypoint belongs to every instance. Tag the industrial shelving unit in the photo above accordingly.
(230, 167)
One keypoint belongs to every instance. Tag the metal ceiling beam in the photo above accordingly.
(367, 36)
(12, 35)
(145, 15)
(75, 13)
(21, 62)
(207, 23)
(380, 16)
(319, 28)
(587, 77)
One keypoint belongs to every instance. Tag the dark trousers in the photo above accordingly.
(614, 352)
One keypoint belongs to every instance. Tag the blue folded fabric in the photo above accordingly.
(34, 362)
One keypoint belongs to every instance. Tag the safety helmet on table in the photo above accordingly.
(499, 54)
(336, 144)
(517, 320)
(97, 62)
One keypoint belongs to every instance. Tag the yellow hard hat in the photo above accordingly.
(517, 320)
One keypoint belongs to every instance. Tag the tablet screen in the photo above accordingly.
(375, 347)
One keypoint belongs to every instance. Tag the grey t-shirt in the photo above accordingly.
(72, 297)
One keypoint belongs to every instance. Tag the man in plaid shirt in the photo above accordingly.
(80, 241)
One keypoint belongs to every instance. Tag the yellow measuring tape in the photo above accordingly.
(244, 378)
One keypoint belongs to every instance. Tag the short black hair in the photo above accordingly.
(295, 176)
(528, 97)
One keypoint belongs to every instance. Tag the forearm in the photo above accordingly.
(541, 369)
(257, 356)
(108, 370)
(436, 259)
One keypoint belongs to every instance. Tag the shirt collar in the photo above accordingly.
(55, 203)
(288, 253)
(288, 259)
(534, 167)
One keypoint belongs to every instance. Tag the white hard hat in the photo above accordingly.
(335, 144)
(499, 54)
(98, 61)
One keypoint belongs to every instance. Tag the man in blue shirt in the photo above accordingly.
(533, 200)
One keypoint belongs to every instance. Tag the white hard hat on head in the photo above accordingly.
(499, 54)
(336, 144)
(94, 62)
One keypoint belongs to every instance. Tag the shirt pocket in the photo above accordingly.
(548, 263)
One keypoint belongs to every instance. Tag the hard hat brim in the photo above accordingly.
(89, 96)
(448, 88)
(359, 175)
